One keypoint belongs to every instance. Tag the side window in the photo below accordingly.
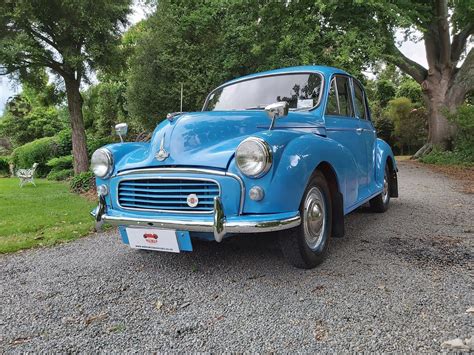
(360, 108)
(339, 100)
(332, 108)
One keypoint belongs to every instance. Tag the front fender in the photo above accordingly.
(294, 162)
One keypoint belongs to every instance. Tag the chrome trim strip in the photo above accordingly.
(166, 178)
(191, 171)
(235, 81)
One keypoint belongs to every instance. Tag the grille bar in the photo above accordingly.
(167, 194)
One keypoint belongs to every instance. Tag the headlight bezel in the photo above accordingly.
(267, 155)
(109, 158)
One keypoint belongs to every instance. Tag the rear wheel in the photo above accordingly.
(306, 245)
(380, 202)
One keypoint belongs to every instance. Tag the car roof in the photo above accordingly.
(325, 70)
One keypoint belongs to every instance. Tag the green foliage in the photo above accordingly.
(83, 182)
(32, 113)
(38, 151)
(385, 91)
(60, 175)
(463, 152)
(38, 216)
(61, 168)
(409, 124)
(385, 129)
(4, 166)
(60, 163)
(94, 143)
(410, 89)
(224, 40)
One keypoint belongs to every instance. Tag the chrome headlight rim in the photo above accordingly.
(268, 156)
(109, 161)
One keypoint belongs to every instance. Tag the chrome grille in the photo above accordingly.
(167, 194)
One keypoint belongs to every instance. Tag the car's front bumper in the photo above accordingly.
(218, 224)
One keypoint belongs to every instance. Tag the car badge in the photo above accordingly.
(192, 200)
(162, 153)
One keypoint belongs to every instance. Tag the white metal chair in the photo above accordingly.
(27, 175)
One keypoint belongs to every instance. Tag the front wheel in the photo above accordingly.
(380, 202)
(306, 245)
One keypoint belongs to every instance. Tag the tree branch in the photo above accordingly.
(459, 42)
(443, 32)
(408, 66)
(463, 80)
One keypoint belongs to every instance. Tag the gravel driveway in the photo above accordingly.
(399, 281)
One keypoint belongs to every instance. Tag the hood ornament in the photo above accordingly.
(162, 153)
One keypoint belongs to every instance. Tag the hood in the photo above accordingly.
(209, 139)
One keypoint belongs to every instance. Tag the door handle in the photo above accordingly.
(359, 130)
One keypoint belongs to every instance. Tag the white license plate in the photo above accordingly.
(153, 239)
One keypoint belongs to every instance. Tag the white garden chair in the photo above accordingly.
(27, 175)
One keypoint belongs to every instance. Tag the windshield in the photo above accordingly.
(300, 90)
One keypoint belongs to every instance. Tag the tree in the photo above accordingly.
(32, 114)
(222, 40)
(68, 38)
(446, 28)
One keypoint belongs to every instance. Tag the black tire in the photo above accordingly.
(294, 242)
(380, 203)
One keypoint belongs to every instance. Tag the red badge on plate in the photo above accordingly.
(151, 237)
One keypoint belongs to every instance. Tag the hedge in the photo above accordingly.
(39, 151)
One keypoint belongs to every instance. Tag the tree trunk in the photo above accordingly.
(439, 102)
(79, 146)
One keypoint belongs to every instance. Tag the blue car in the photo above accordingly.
(290, 151)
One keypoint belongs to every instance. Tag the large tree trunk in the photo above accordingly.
(436, 87)
(79, 146)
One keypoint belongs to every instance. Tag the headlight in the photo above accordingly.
(102, 163)
(253, 157)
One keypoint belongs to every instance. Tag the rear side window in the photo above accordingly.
(339, 101)
(360, 108)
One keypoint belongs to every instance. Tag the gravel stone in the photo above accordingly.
(398, 282)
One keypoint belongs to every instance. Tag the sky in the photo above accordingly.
(412, 50)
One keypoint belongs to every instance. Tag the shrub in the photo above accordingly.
(39, 151)
(4, 166)
(83, 182)
(61, 168)
(64, 142)
(446, 157)
(60, 163)
(60, 175)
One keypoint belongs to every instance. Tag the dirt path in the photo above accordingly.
(399, 281)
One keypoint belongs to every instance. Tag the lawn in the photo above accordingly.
(43, 215)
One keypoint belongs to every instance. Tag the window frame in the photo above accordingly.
(323, 83)
(364, 99)
(351, 95)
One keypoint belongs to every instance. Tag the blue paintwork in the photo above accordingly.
(300, 143)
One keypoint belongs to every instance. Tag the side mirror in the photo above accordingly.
(276, 111)
(121, 129)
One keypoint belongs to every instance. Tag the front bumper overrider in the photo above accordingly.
(218, 224)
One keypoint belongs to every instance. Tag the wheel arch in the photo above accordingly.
(336, 196)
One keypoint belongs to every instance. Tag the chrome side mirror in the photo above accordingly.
(276, 111)
(121, 130)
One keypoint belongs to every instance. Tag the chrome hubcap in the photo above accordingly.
(385, 189)
(314, 218)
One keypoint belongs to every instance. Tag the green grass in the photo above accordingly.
(43, 215)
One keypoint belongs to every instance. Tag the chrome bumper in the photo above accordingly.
(220, 225)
